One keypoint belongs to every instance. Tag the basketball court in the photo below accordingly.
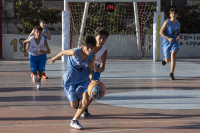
(139, 99)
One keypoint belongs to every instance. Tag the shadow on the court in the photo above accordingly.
(38, 118)
(147, 116)
(122, 117)
(16, 89)
(32, 98)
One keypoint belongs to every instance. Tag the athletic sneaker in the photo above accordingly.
(163, 62)
(75, 124)
(171, 76)
(44, 76)
(85, 113)
(38, 85)
(35, 78)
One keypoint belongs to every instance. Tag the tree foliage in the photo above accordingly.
(190, 19)
(30, 12)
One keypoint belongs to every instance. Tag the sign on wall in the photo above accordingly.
(189, 45)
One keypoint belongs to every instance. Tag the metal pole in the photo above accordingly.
(137, 27)
(158, 6)
(83, 23)
(0, 33)
(65, 5)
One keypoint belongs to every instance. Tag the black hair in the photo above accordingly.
(101, 31)
(89, 40)
(43, 20)
(38, 28)
(173, 10)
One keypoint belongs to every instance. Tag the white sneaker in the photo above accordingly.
(35, 78)
(75, 124)
(38, 85)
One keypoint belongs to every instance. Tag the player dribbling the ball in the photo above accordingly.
(77, 78)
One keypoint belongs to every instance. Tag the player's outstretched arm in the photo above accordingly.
(70, 52)
(163, 34)
(24, 46)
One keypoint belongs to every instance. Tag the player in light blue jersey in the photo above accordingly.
(171, 33)
(77, 78)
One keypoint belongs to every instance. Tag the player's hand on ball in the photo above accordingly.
(171, 40)
(94, 80)
(52, 60)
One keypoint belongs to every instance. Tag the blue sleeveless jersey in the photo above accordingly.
(171, 31)
(77, 72)
(44, 34)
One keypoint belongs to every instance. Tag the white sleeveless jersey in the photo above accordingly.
(98, 56)
(34, 47)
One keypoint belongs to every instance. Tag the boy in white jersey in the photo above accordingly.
(45, 34)
(37, 54)
(101, 35)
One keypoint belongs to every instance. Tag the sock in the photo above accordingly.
(74, 119)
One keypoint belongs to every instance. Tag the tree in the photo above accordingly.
(30, 12)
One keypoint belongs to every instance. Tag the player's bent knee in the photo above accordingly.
(74, 105)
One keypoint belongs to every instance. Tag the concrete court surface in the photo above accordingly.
(139, 99)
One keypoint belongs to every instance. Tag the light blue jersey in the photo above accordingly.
(76, 78)
(171, 31)
(44, 34)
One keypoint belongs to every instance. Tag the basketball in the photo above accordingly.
(96, 90)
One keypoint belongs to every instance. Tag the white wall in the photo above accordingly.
(11, 41)
(117, 46)
(189, 45)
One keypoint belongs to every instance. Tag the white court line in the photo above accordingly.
(144, 129)
(112, 123)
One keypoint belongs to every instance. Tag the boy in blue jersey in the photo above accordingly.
(77, 77)
(45, 34)
(37, 54)
(101, 35)
(171, 33)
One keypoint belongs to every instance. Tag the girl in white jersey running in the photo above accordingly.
(101, 35)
